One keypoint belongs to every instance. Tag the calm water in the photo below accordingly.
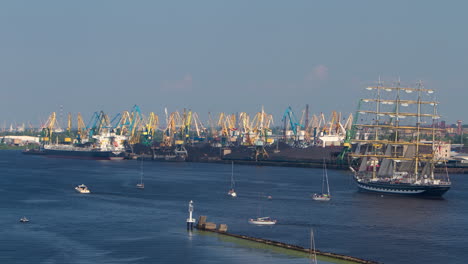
(118, 223)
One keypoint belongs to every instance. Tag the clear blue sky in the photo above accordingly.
(225, 56)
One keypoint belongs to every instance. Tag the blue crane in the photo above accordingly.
(92, 124)
(97, 122)
(116, 121)
(289, 114)
(137, 117)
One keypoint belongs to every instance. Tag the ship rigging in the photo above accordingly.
(395, 151)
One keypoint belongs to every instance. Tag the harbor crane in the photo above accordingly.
(149, 129)
(294, 124)
(82, 132)
(68, 136)
(49, 128)
(98, 122)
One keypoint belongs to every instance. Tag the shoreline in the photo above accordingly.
(331, 164)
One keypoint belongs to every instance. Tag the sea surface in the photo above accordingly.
(118, 223)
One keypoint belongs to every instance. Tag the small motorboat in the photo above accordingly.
(140, 185)
(82, 189)
(24, 219)
(262, 221)
(232, 193)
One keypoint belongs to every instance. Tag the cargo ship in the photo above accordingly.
(282, 152)
(107, 146)
(397, 150)
(76, 152)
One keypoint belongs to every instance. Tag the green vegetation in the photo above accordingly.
(457, 139)
(7, 146)
(27, 132)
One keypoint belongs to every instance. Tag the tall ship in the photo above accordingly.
(397, 143)
(106, 146)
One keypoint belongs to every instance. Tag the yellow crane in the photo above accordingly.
(48, 128)
(150, 127)
(231, 127)
(185, 127)
(245, 129)
(222, 123)
(68, 139)
(82, 133)
(261, 127)
(171, 128)
(199, 128)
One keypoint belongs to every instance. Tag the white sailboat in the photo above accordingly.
(324, 196)
(262, 221)
(141, 185)
(231, 191)
(265, 220)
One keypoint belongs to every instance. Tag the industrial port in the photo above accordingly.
(304, 139)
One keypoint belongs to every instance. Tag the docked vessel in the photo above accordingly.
(35, 151)
(283, 153)
(396, 151)
(107, 146)
(82, 189)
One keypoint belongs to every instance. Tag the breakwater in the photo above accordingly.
(222, 230)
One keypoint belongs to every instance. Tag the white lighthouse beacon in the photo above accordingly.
(190, 220)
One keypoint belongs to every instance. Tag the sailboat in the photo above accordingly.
(324, 196)
(397, 150)
(262, 221)
(231, 191)
(141, 185)
(265, 220)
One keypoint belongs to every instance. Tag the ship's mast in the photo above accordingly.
(433, 141)
(418, 127)
(377, 123)
(377, 112)
(397, 123)
(378, 137)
